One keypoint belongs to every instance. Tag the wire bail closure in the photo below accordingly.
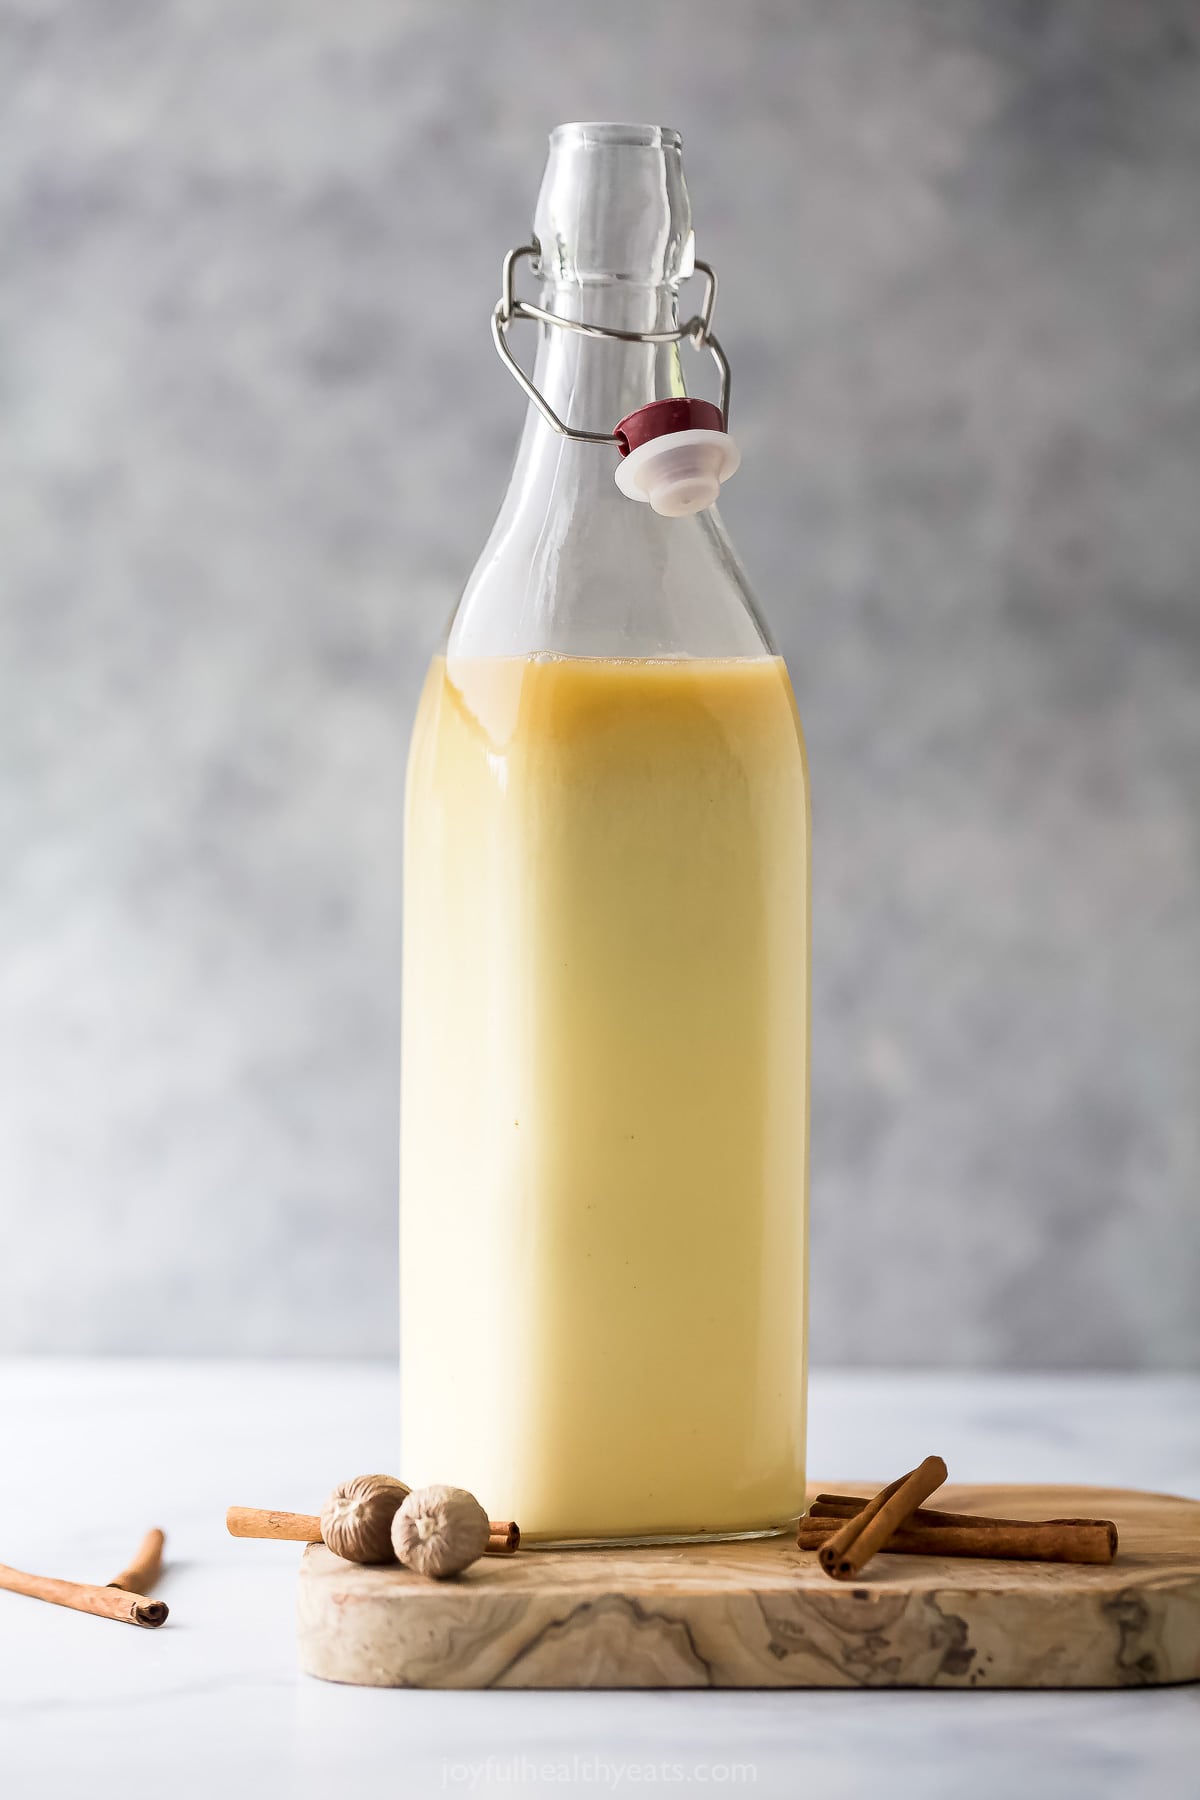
(696, 331)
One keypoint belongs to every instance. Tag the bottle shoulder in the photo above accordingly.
(609, 579)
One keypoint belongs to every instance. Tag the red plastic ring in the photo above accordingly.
(662, 416)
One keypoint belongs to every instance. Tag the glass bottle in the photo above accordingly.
(606, 951)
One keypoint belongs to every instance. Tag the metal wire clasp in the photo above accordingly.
(697, 331)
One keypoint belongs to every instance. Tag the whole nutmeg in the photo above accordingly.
(357, 1518)
(439, 1530)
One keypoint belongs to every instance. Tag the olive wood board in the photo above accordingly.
(762, 1614)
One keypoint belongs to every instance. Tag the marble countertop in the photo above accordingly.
(96, 1451)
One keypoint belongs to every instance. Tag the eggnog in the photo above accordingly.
(604, 1108)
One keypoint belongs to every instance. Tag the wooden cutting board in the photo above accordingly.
(762, 1614)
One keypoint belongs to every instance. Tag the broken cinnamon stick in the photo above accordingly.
(1006, 1540)
(854, 1543)
(305, 1528)
(146, 1566)
(106, 1602)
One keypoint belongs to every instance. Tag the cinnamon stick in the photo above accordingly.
(251, 1522)
(305, 1528)
(1099, 1535)
(855, 1542)
(106, 1602)
(146, 1566)
(1005, 1540)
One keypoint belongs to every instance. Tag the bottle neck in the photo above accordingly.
(614, 228)
(593, 383)
(573, 566)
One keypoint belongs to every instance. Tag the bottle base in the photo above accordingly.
(655, 1540)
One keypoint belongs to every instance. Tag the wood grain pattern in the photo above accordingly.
(762, 1614)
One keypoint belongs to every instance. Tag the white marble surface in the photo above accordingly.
(212, 1703)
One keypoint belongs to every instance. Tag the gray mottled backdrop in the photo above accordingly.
(252, 433)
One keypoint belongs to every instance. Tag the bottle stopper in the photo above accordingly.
(674, 455)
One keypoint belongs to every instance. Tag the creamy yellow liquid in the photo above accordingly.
(605, 1081)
